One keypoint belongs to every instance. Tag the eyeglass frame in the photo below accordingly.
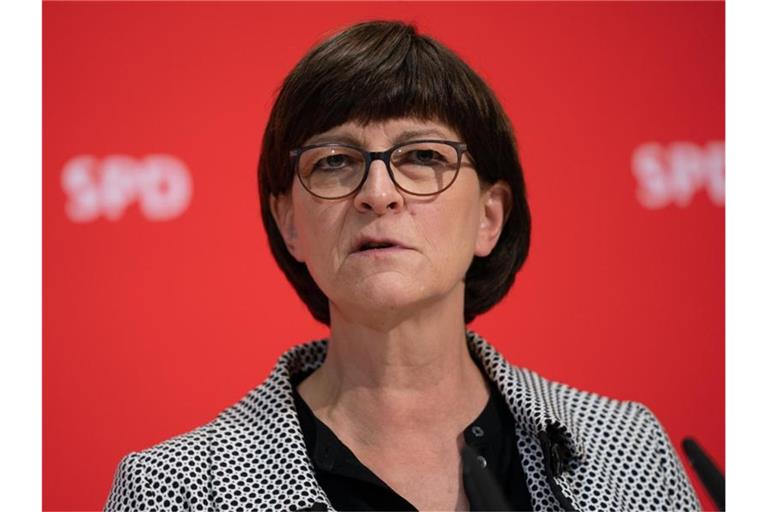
(384, 156)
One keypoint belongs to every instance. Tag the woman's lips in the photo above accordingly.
(381, 251)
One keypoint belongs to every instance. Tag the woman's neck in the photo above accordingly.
(414, 377)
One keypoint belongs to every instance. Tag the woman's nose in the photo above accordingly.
(379, 193)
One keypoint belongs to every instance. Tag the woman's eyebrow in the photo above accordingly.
(343, 138)
(416, 134)
(334, 138)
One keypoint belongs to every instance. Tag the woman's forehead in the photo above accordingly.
(392, 131)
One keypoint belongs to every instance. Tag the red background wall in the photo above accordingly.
(161, 302)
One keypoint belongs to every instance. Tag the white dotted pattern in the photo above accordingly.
(253, 457)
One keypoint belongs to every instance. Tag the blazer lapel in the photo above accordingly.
(548, 440)
(258, 449)
(529, 398)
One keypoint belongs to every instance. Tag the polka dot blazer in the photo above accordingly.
(579, 451)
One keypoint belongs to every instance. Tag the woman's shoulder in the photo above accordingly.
(592, 424)
(537, 395)
(603, 436)
(182, 473)
(187, 456)
(593, 417)
(160, 476)
(578, 402)
(250, 445)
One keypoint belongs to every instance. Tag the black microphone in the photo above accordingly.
(482, 489)
(708, 473)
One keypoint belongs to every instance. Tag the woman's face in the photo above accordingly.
(433, 239)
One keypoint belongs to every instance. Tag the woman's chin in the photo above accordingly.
(391, 296)
(380, 291)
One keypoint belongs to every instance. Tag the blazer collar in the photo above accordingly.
(267, 416)
(534, 401)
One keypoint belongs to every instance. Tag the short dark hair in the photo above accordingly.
(377, 71)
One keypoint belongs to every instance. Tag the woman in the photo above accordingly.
(394, 201)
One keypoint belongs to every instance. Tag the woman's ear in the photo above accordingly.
(496, 203)
(281, 207)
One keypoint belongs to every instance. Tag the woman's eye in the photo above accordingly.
(425, 156)
(332, 162)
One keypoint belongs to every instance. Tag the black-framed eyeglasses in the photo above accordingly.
(419, 167)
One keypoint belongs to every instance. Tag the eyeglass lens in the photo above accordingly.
(418, 168)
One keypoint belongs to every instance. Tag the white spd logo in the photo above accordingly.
(160, 184)
(673, 174)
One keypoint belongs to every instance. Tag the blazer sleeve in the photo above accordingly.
(127, 493)
(679, 492)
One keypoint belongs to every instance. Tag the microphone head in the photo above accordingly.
(706, 470)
